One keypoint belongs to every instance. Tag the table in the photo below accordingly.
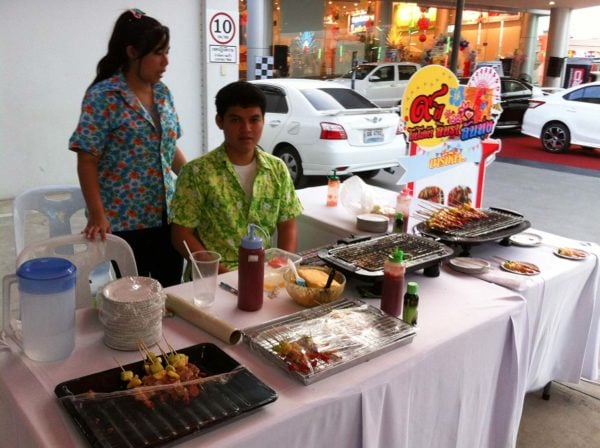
(563, 302)
(320, 225)
(461, 382)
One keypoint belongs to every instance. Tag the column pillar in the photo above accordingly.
(529, 44)
(441, 21)
(558, 41)
(383, 17)
(259, 38)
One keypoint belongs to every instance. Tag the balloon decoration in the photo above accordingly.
(423, 24)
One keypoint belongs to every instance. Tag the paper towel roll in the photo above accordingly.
(209, 323)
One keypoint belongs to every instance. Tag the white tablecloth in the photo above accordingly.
(563, 302)
(461, 382)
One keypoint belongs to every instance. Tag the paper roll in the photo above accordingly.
(209, 323)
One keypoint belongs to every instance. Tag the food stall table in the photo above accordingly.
(461, 382)
(563, 304)
(563, 301)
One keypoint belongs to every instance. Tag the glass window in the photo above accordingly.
(586, 95)
(383, 74)
(511, 86)
(405, 72)
(276, 101)
(361, 72)
(327, 99)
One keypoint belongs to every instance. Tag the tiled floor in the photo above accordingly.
(558, 202)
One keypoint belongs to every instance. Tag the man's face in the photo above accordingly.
(242, 128)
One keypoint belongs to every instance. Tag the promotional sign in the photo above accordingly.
(446, 124)
(222, 37)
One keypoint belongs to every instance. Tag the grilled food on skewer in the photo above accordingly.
(450, 218)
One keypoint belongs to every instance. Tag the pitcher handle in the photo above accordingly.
(7, 282)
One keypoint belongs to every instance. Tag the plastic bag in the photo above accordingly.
(356, 196)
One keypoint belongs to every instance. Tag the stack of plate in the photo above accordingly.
(371, 222)
(131, 310)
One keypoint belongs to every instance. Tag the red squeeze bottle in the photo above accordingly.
(393, 283)
(251, 272)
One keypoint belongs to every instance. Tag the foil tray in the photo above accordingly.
(352, 331)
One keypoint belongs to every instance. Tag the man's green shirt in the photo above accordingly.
(209, 198)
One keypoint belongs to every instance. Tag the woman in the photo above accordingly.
(126, 144)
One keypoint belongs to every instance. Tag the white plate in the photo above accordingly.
(577, 254)
(526, 239)
(532, 266)
(469, 265)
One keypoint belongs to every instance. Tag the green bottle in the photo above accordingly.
(411, 302)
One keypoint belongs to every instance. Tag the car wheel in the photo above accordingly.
(367, 174)
(556, 137)
(292, 161)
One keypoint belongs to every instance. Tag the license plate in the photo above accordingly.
(373, 136)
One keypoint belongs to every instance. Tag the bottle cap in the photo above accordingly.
(412, 287)
(399, 215)
(333, 175)
(397, 256)
(252, 241)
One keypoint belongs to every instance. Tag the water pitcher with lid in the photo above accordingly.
(47, 307)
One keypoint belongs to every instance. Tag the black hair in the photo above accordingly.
(134, 28)
(240, 93)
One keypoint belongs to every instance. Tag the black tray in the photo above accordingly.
(127, 422)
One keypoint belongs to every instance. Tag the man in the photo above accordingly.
(220, 193)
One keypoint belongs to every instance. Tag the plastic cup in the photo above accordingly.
(204, 277)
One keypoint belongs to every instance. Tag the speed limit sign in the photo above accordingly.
(222, 28)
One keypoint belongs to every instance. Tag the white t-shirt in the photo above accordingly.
(246, 173)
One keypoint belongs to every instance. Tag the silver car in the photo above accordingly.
(570, 116)
(318, 126)
(382, 83)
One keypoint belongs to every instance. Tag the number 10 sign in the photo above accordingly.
(222, 38)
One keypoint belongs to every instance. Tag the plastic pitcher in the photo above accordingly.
(47, 306)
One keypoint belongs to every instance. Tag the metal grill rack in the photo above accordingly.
(496, 220)
(366, 258)
(353, 330)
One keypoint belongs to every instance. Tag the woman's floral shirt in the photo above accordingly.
(135, 156)
(210, 199)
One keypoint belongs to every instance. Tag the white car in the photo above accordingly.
(382, 83)
(318, 126)
(570, 116)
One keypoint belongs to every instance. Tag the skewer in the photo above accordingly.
(119, 364)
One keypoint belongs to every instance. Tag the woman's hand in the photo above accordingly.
(96, 226)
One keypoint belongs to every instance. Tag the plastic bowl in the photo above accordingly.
(311, 296)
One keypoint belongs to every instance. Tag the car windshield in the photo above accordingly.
(361, 72)
(328, 99)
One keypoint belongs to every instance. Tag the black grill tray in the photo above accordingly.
(519, 224)
(126, 422)
(421, 253)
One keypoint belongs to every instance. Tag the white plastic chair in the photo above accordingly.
(58, 203)
(86, 255)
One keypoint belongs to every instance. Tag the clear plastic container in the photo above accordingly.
(276, 263)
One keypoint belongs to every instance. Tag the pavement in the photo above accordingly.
(564, 202)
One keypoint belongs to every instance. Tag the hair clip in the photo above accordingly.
(137, 13)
